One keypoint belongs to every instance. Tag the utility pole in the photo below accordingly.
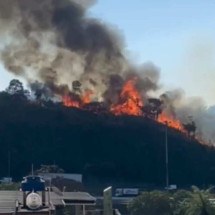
(9, 157)
(32, 169)
(167, 155)
(107, 201)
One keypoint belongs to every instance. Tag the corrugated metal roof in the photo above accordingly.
(8, 199)
(74, 198)
(78, 196)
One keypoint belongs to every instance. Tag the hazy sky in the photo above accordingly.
(177, 35)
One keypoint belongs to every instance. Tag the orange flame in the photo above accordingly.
(131, 100)
(170, 121)
(131, 103)
(86, 97)
(68, 101)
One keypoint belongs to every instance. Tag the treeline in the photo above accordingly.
(181, 202)
(103, 147)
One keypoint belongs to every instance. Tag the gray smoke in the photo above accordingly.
(176, 104)
(55, 43)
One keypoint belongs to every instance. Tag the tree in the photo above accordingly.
(15, 87)
(197, 203)
(179, 199)
(49, 169)
(152, 203)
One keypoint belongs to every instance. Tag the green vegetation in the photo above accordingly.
(152, 203)
(11, 186)
(195, 202)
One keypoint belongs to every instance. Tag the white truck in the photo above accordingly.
(127, 192)
(171, 187)
(6, 180)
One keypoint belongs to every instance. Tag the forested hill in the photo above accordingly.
(121, 148)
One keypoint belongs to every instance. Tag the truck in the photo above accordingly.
(6, 180)
(171, 187)
(123, 192)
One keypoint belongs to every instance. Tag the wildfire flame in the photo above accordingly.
(86, 97)
(170, 121)
(68, 101)
(130, 103)
(131, 100)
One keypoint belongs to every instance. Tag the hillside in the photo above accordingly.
(104, 146)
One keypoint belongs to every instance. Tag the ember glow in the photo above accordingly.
(131, 102)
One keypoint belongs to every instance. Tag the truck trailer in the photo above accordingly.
(127, 192)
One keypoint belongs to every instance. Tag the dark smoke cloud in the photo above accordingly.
(54, 41)
(149, 76)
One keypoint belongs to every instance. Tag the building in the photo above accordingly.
(35, 198)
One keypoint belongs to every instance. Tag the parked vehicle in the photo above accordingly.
(171, 187)
(127, 192)
(6, 180)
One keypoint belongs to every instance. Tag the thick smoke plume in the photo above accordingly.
(59, 50)
(55, 43)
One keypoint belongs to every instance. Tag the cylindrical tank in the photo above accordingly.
(33, 201)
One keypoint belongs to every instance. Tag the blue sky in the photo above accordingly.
(178, 36)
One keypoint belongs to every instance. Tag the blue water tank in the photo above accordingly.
(33, 183)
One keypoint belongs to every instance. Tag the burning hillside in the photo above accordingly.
(67, 56)
(130, 102)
